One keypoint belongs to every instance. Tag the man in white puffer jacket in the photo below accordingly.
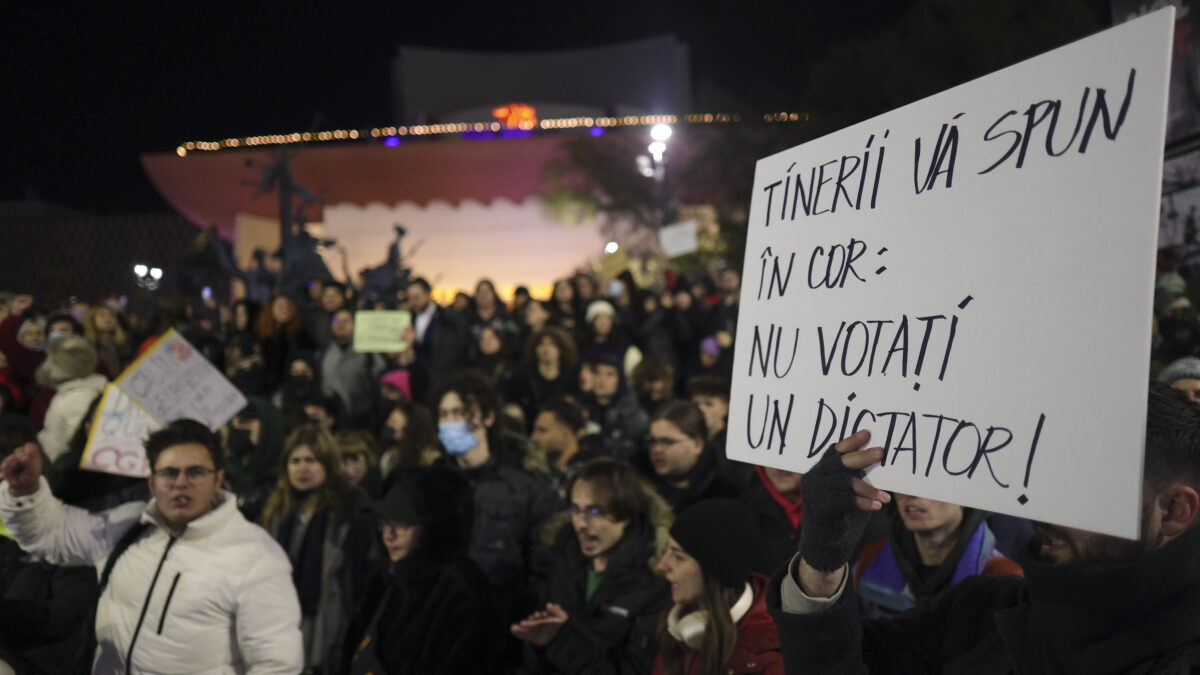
(198, 590)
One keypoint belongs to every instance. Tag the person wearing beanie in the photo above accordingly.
(615, 409)
(605, 335)
(719, 620)
(68, 368)
(1184, 375)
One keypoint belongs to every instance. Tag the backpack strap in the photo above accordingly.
(123, 544)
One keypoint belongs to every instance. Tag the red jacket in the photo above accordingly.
(23, 360)
(756, 650)
(16, 393)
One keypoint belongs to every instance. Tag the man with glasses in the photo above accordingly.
(187, 584)
(602, 599)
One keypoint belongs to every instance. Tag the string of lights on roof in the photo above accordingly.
(517, 122)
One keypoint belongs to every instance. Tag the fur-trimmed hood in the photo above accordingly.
(67, 358)
(558, 534)
(515, 450)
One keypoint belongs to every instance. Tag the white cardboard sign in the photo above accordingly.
(679, 239)
(116, 442)
(970, 278)
(173, 381)
(170, 381)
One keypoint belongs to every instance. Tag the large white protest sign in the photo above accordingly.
(116, 440)
(173, 381)
(170, 381)
(969, 277)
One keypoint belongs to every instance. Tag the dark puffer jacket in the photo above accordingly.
(513, 500)
(623, 424)
(616, 630)
(43, 608)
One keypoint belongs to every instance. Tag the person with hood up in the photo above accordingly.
(428, 609)
(719, 621)
(615, 409)
(602, 596)
(508, 477)
(69, 365)
(933, 545)
(253, 443)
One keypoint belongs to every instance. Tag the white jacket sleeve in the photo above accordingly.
(55, 436)
(268, 619)
(61, 534)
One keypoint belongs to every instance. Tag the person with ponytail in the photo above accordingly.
(719, 621)
(314, 515)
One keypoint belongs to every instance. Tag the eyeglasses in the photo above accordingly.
(194, 474)
(653, 441)
(589, 514)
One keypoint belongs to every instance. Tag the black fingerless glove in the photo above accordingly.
(832, 522)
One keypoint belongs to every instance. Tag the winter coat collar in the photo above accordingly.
(202, 527)
(1108, 618)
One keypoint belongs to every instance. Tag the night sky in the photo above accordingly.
(90, 86)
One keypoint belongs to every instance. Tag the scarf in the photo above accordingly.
(308, 561)
(689, 628)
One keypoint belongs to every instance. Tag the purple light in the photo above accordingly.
(596, 131)
(391, 141)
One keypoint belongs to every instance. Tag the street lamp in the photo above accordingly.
(147, 277)
(659, 134)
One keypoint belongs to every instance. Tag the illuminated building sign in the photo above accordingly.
(516, 116)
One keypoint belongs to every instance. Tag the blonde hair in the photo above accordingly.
(334, 494)
(357, 443)
(93, 335)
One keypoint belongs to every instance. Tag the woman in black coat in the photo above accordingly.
(430, 609)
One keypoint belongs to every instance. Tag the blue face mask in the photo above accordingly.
(54, 335)
(457, 438)
(614, 288)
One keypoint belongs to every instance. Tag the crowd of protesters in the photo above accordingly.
(533, 486)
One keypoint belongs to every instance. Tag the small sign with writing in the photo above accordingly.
(379, 331)
(679, 239)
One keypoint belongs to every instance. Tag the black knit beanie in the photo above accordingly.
(723, 536)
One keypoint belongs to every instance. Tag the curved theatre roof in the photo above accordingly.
(212, 188)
